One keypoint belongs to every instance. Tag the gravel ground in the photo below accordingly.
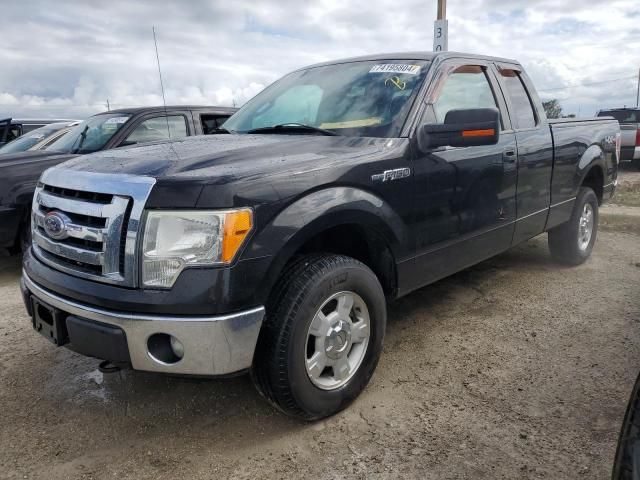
(515, 368)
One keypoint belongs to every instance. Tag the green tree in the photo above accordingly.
(552, 108)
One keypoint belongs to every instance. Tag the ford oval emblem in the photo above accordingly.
(55, 225)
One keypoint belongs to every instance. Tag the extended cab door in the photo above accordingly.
(465, 197)
(535, 152)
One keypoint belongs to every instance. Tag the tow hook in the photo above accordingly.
(107, 367)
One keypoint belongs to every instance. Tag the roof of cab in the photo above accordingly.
(423, 55)
(173, 108)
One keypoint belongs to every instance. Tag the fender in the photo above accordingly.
(560, 211)
(316, 212)
(592, 156)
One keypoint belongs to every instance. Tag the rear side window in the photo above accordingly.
(623, 116)
(211, 123)
(14, 132)
(466, 87)
(523, 113)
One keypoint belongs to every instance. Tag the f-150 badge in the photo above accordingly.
(389, 175)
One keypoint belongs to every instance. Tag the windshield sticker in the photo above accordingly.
(364, 122)
(117, 120)
(400, 85)
(395, 68)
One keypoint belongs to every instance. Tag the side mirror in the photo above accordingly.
(461, 128)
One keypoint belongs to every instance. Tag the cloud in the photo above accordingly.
(68, 60)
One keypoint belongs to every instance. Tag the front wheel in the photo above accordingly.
(322, 336)
(572, 242)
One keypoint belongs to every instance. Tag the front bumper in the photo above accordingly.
(213, 345)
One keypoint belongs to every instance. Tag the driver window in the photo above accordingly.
(466, 87)
(155, 129)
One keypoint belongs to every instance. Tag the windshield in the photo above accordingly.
(28, 140)
(90, 135)
(365, 99)
(623, 116)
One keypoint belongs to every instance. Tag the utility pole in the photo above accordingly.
(108, 106)
(440, 29)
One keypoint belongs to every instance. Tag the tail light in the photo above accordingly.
(638, 138)
(619, 145)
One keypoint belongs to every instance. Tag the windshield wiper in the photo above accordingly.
(284, 127)
(82, 136)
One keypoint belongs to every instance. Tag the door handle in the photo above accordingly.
(509, 156)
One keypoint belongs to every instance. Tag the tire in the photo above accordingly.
(567, 242)
(284, 367)
(627, 459)
(25, 235)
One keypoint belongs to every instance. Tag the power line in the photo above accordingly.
(587, 84)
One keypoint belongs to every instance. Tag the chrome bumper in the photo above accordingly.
(216, 345)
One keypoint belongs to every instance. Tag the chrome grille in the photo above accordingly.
(87, 224)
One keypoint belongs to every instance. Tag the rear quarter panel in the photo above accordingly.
(579, 147)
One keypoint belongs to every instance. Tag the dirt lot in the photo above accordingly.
(516, 368)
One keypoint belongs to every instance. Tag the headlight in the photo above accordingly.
(175, 239)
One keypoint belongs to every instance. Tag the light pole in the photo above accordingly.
(638, 93)
(440, 29)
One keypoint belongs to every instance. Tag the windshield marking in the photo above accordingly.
(395, 68)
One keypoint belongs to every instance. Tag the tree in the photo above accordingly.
(552, 108)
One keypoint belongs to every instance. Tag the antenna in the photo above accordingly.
(164, 102)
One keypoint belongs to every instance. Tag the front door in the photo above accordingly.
(465, 197)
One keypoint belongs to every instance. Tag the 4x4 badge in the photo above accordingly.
(389, 175)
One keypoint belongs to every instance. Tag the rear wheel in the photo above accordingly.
(572, 242)
(322, 336)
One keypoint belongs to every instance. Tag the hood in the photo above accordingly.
(206, 157)
(23, 158)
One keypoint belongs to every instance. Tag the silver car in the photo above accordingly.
(39, 138)
(629, 120)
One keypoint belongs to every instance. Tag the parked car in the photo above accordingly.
(629, 119)
(274, 248)
(38, 139)
(19, 172)
(12, 128)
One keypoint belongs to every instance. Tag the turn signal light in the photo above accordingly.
(237, 226)
(479, 133)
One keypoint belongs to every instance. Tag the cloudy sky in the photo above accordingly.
(66, 58)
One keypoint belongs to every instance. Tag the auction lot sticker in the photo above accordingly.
(395, 68)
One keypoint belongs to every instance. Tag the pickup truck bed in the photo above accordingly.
(574, 142)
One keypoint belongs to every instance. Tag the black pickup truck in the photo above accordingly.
(275, 247)
(19, 172)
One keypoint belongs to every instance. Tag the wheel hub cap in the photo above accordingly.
(338, 340)
(585, 226)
